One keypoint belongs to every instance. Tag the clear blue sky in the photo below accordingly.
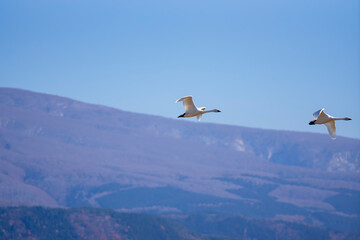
(265, 64)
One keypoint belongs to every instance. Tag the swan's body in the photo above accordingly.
(191, 110)
(322, 118)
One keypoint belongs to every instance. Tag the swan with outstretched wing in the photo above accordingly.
(191, 110)
(322, 118)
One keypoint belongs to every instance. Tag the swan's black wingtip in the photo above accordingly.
(181, 116)
(312, 123)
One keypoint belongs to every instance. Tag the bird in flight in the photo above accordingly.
(322, 118)
(191, 110)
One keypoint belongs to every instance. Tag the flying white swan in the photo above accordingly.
(322, 118)
(191, 110)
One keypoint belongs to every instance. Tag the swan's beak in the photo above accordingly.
(218, 111)
(348, 118)
(312, 123)
(182, 115)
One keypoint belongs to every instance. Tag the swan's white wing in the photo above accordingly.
(199, 117)
(331, 128)
(318, 113)
(188, 103)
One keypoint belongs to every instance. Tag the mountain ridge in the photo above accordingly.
(158, 116)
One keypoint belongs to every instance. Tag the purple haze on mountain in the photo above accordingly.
(55, 151)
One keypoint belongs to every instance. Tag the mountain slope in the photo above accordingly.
(56, 151)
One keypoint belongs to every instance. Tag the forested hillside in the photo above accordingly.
(90, 223)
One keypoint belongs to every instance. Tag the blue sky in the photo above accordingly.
(264, 64)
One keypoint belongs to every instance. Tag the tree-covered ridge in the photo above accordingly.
(241, 227)
(98, 223)
(86, 223)
(35, 223)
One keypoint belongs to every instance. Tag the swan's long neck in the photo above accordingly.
(213, 110)
(345, 118)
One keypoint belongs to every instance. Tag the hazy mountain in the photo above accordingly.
(56, 151)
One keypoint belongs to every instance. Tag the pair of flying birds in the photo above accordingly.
(320, 116)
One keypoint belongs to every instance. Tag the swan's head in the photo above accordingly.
(182, 115)
(217, 110)
(347, 118)
(312, 122)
